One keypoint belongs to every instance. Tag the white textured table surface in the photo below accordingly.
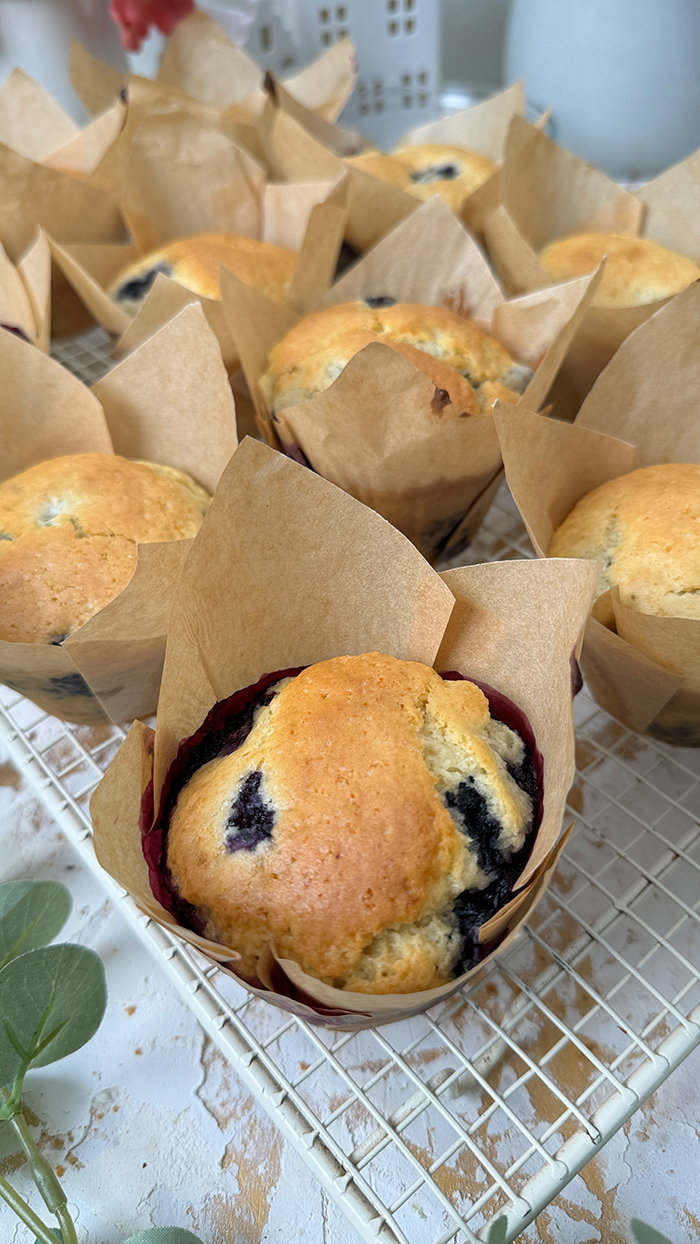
(147, 1125)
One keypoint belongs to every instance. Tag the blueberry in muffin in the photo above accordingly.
(439, 168)
(133, 289)
(195, 262)
(365, 813)
(425, 169)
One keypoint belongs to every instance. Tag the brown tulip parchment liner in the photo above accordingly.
(203, 73)
(203, 70)
(72, 182)
(288, 570)
(25, 293)
(200, 61)
(643, 669)
(47, 163)
(298, 147)
(170, 403)
(546, 193)
(482, 128)
(187, 173)
(35, 126)
(380, 431)
(70, 209)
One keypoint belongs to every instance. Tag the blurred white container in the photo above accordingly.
(398, 53)
(623, 77)
(36, 36)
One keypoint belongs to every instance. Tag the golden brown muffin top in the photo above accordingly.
(385, 167)
(348, 763)
(637, 270)
(645, 528)
(439, 168)
(426, 169)
(195, 262)
(454, 352)
(69, 533)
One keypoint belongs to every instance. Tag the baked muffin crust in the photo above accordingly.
(645, 528)
(69, 534)
(342, 826)
(385, 167)
(426, 169)
(195, 262)
(637, 270)
(439, 168)
(454, 352)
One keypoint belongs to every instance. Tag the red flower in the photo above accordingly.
(135, 18)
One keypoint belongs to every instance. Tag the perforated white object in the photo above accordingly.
(398, 48)
(424, 1132)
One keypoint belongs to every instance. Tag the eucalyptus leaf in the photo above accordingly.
(32, 914)
(644, 1234)
(51, 1002)
(163, 1235)
(498, 1231)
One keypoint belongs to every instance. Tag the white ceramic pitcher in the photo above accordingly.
(36, 36)
(623, 77)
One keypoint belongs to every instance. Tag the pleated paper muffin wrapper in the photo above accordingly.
(25, 293)
(482, 128)
(297, 146)
(547, 193)
(46, 162)
(176, 174)
(382, 431)
(91, 269)
(265, 589)
(643, 669)
(35, 126)
(202, 66)
(83, 154)
(170, 403)
(187, 174)
(180, 167)
(201, 61)
(68, 207)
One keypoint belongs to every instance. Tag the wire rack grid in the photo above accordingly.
(426, 1131)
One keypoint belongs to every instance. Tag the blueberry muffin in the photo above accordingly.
(645, 529)
(430, 168)
(69, 534)
(195, 262)
(637, 270)
(365, 814)
(436, 168)
(463, 361)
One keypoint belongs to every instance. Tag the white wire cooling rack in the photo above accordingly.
(424, 1132)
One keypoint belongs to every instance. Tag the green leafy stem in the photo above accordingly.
(52, 1001)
